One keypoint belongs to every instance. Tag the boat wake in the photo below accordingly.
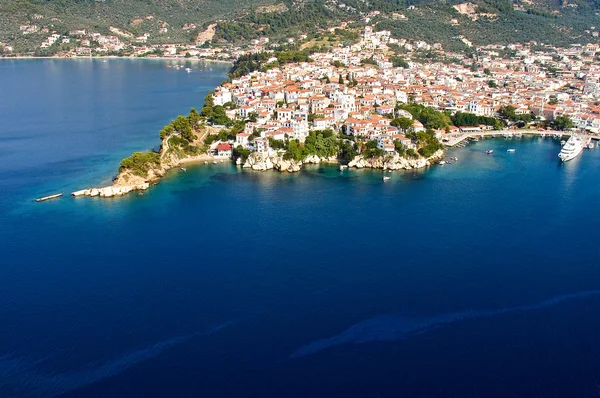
(395, 327)
(24, 377)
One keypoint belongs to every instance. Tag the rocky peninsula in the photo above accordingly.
(142, 168)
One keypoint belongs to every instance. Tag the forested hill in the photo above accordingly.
(179, 21)
(166, 21)
(559, 22)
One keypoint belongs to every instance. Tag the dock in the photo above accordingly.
(45, 198)
(457, 139)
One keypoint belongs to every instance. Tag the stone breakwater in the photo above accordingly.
(108, 192)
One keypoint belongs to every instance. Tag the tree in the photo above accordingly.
(166, 131)
(399, 62)
(340, 79)
(252, 116)
(400, 149)
(194, 117)
(219, 116)
(411, 152)
(492, 84)
(403, 123)
(508, 112)
(347, 150)
(240, 152)
(207, 111)
(487, 71)
(562, 123)
(208, 100)
(182, 126)
(294, 151)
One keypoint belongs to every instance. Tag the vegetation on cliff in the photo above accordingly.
(140, 163)
(180, 138)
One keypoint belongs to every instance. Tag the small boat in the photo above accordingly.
(385, 178)
(188, 70)
(205, 162)
(58, 195)
(183, 169)
(389, 171)
(214, 162)
(489, 151)
(343, 167)
(511, 150)
(591, 145)
(442, 162)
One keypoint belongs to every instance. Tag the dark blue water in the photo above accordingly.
(479, 278)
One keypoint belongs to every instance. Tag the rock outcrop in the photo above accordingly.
(261, 162)
(111, 191)
(395, 162)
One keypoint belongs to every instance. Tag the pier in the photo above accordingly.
(454, 140)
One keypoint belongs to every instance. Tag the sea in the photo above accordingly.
(479, 278)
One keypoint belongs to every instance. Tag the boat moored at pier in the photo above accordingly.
(572, 148)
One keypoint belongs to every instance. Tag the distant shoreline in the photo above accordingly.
(211, 60)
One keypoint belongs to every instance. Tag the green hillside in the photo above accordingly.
(131, 16)
(559, 22)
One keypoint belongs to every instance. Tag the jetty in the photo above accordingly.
(45, 198)
(456, 139)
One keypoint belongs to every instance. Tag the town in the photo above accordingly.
(372, 87)
(364, 92)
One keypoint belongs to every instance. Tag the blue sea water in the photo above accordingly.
(476, 279)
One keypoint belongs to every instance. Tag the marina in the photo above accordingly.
(462, 139)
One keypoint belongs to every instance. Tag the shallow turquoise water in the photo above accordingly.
(478, 278)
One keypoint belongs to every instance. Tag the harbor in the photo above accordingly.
(456, 140)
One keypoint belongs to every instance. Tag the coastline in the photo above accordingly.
(120, 188)
(209, 60)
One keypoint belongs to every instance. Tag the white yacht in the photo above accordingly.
(572, 148)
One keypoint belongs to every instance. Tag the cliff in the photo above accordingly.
(138, 177)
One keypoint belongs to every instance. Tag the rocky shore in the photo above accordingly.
(127, 181)
(262, 162)
(108, 192)
(396, 162)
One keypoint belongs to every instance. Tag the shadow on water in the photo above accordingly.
(396, 327)
(26, 377)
